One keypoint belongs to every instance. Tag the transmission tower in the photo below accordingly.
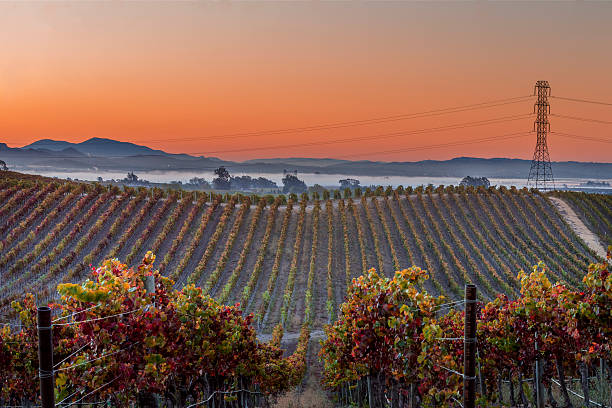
(540, 174)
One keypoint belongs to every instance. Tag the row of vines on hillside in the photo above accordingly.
(246, 248)
(252, 281)
(392, 346)
(119, 344)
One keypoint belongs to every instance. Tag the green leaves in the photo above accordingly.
(116, 331)
(389, 328)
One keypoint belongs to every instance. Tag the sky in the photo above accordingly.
(194, 77)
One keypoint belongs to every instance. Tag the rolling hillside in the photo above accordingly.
(281, 260)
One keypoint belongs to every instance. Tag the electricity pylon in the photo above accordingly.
(540, 174)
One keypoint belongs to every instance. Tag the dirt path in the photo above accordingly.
(578, 226)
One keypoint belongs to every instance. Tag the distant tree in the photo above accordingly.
(262, 182)
(223, 179)
(198, 182)
(400, 189)
(358, 192)
(131, 177)
(248, 183)
(292, 184)
(337, 194)
(3, 166)
(475, 182)
(347, 193)
(349, 183)
(100, 179)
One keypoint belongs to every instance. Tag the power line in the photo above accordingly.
(588, 138)
(507, 136)
(581, 100)
(336, 125)
(379, 136)
(334, 141)
(605, 122)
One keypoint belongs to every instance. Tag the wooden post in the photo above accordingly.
(469, 348)
(45, 357)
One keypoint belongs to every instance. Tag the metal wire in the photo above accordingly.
(457, 401)
(76, 313)
(449, 305)
(457, 373)
(60, 363)
(95, 359)
(221, 392)
(88, 394)
(97, 319)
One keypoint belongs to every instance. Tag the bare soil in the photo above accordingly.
(578, 226)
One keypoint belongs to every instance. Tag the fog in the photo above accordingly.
(326, 180)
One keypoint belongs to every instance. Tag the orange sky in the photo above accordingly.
(165, 74)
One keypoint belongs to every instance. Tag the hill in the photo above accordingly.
(96, 147)
(260, 254)
(111, 155)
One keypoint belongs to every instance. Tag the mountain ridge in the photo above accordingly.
(101, 154)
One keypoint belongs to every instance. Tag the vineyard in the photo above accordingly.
(280, 259)
(287, 260)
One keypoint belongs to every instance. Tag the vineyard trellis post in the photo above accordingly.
(538, 378)
(469, 348)
(45, 357)
(150, 284)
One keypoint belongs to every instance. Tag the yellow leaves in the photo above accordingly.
(149, 258)
(431, 332)
(60, 380)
